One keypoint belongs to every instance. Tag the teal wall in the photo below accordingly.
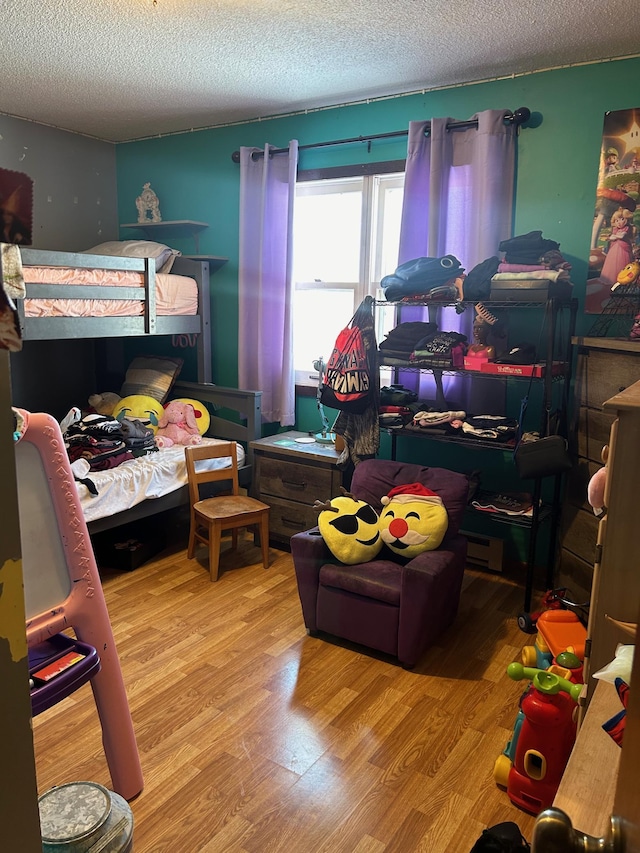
(558, 158)
(195, 178)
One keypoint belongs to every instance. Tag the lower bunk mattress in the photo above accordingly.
(145, 478)
(175, 294)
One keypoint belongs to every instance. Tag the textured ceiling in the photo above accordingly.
(125, 69)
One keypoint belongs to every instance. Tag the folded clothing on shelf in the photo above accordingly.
(532, 274)
(442, 349)
(431, 419)
(527, 248)
(396, 395)
(400, 341)
(492, 427)
(393, 420)
(457, 424)
(477, 283)
(449, 292)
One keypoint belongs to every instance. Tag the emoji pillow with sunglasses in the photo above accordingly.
(350, 528)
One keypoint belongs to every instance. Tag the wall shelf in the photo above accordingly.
(175, 227)
(214, 261)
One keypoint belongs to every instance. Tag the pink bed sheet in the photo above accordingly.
(175, 294)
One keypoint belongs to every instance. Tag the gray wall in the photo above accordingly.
(74, 207)
(74, 183)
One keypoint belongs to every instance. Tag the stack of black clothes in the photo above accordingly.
(138, 438)
(527, 248)
(401, 341)
(105, 442)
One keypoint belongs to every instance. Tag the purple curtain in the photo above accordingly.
(265, 354)
(458, 200)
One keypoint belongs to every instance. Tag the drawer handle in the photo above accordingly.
(289, 522)
(293, 485)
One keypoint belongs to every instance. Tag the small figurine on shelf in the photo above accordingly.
(148, 205)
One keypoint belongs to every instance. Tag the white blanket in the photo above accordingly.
(150, 476)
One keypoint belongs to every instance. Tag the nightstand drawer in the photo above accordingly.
(293, 480)
(287, 518)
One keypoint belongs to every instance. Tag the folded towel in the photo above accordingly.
(546, 275)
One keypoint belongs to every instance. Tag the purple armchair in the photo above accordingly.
(394, 606)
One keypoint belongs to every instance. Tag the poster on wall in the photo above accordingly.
(615, 237)
(16, 207)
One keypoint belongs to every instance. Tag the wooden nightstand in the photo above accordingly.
(290, 476)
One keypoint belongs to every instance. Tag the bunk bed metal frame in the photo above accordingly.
(236, 412)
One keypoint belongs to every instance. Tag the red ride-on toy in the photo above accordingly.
(554, 599)
(534, 760)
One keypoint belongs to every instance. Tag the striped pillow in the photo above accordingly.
(152, 376)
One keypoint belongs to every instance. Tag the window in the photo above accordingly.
(346, 238)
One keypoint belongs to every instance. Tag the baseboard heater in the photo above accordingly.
(484, 551)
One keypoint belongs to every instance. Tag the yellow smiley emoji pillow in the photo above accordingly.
(350, 529)
(413, 520)
(139, 407)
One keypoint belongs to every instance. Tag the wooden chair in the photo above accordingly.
(209, 517)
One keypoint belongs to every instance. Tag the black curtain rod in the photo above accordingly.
(517, 117)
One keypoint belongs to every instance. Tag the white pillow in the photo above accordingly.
(164, 255)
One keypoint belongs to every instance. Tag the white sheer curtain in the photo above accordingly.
(265, 351)
(458, 200)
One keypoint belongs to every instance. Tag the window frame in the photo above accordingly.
(370, 248)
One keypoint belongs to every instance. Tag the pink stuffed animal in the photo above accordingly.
(597, 486)
(177, 425)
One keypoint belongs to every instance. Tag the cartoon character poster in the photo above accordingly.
(615, 238)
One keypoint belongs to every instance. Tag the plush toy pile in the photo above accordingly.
(413, 520)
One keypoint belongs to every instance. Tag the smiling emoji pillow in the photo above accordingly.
(350, 529)
(413, 520)
(139, 407)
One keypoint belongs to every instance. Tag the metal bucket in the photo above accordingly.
(84, 817)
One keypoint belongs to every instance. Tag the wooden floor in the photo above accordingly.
(256, 738)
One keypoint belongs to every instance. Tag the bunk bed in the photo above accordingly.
(146, 305)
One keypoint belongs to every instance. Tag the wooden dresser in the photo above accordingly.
(290, 477)
(605, 367)
(615, 591)
(601, 779)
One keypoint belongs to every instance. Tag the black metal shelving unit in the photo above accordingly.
(556, 351)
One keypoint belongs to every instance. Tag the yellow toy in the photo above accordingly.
(628, 275)
(350, 528)
(141, 408)
(413, 520)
